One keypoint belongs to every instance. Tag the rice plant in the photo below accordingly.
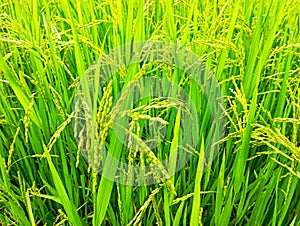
(57, 148)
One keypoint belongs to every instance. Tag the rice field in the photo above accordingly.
(150, 112)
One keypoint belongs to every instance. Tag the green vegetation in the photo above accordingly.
(253, 49)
